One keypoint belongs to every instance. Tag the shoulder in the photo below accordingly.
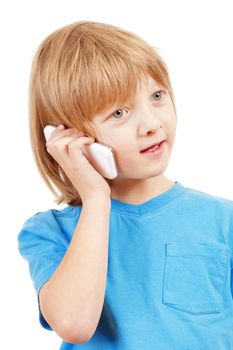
(49, 223)
(208, 201)
(50, 215)
(208, 197)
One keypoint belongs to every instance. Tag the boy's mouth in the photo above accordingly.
(152, 147)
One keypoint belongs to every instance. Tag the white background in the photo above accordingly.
(195, 40)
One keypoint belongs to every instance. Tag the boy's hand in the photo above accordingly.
(64, 145)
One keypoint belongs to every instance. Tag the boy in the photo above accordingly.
(140, 261)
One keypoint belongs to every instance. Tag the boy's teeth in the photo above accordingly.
(152, 148)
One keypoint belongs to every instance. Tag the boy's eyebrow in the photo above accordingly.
(156, 85)
(103, 115)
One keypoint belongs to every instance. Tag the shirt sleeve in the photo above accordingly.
(42, 244)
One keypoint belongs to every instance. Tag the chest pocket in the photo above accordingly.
(194, 277)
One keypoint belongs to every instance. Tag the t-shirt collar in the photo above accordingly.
(152, 204)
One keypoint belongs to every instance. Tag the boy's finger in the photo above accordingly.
(63, 133)
(77, 144)
(59, 145)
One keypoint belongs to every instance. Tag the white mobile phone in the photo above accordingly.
(98, 154)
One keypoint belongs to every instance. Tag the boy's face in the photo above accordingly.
(129, 129)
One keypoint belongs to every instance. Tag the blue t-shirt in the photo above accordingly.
(169, 280)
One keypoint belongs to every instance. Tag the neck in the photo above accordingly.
(139, 191)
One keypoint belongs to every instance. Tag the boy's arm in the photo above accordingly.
(72, 300)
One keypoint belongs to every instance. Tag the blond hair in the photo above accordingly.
(78, 71)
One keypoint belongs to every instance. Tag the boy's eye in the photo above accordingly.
(118, 113)
(158, 95)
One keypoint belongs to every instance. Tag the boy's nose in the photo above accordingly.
(150, 121)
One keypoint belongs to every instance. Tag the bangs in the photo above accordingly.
(102, 84)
